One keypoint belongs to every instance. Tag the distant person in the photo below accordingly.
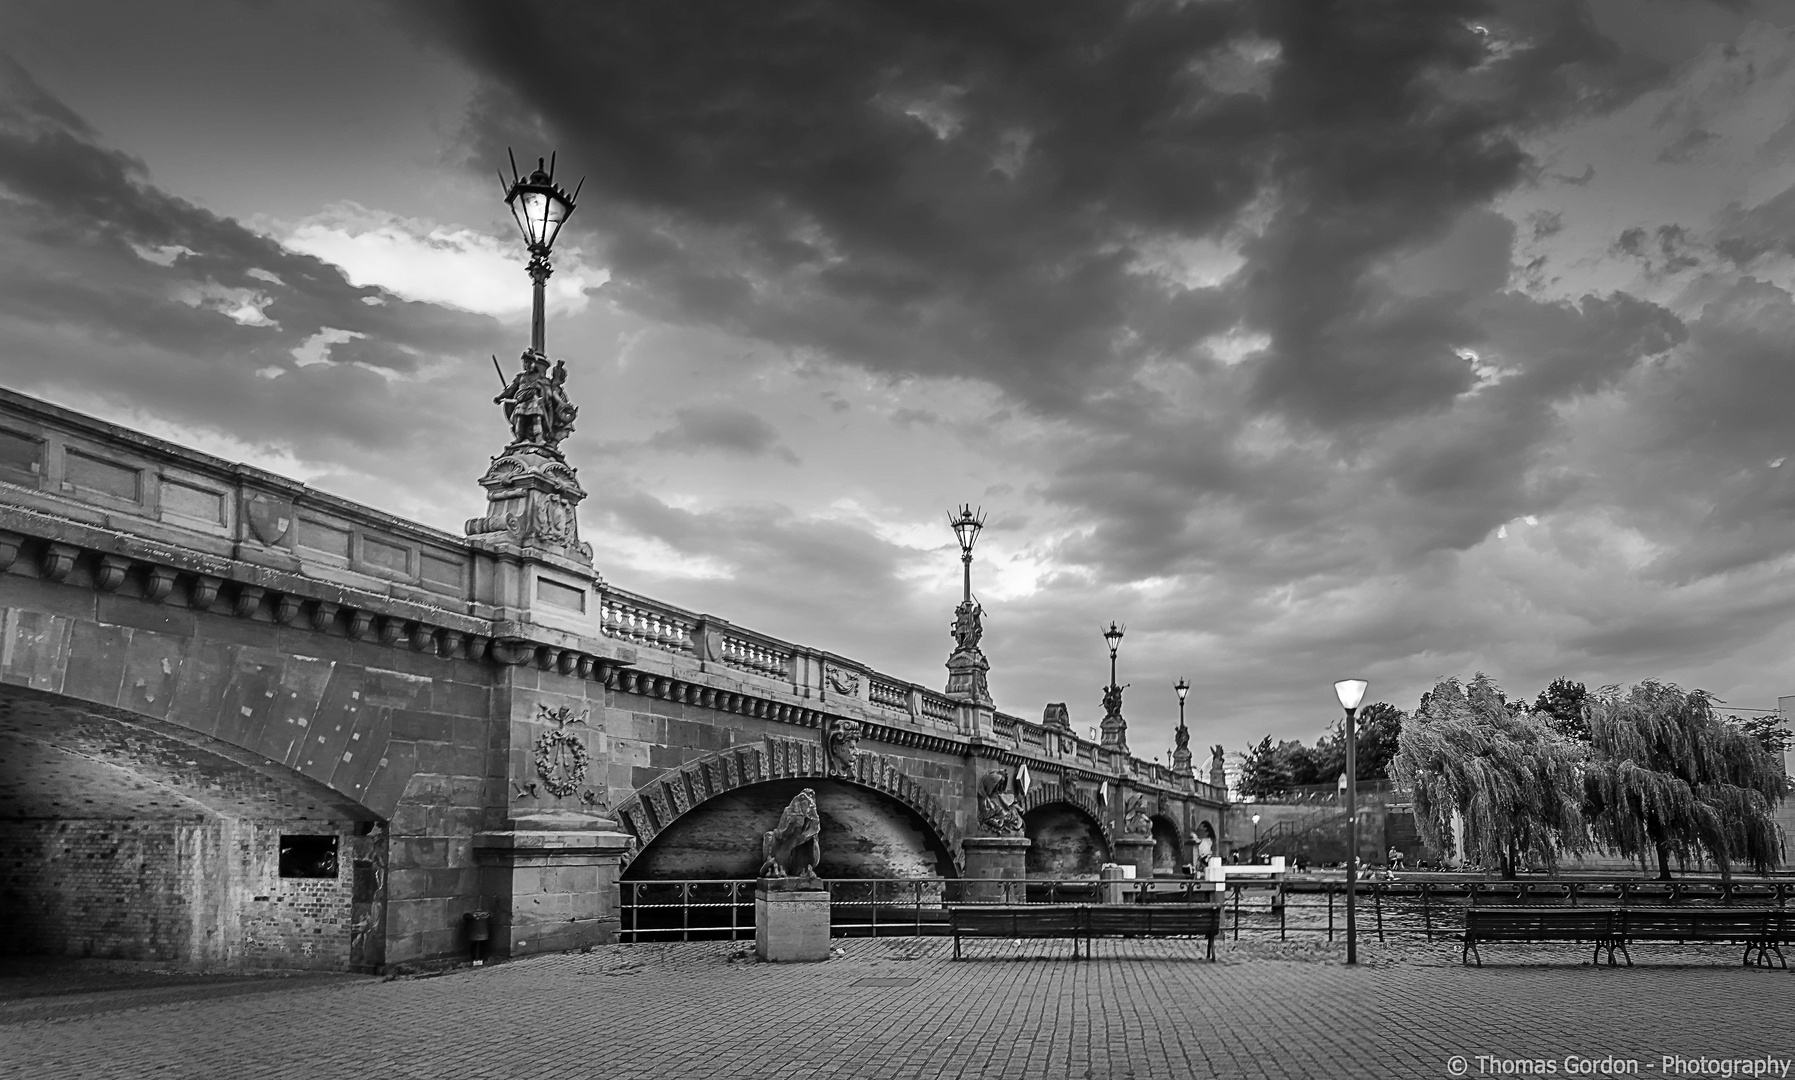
(1396, 859)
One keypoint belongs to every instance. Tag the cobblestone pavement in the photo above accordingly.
(900, 1008)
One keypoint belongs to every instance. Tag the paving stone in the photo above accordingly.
(1140, 1009)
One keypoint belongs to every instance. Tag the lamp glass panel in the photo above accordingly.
(1350, 692)
(535, 205)
(554, 213)
(1183, 689)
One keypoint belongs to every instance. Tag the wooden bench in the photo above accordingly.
(1597, 925)
(1017, 921)
(1153, 920)
(1760, 930)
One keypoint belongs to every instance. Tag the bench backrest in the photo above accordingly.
(1203, 920)
(1695, 922)
(1535, 924)
(1035, 920)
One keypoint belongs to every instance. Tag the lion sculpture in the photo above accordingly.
(791, 849)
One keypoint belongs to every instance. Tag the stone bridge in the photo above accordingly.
(245, 723)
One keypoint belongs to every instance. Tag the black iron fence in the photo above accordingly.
(699, 910)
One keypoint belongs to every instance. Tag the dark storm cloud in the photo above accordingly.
(721, 427)
(110, 286)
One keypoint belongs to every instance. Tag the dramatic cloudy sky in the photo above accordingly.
(1401, 339)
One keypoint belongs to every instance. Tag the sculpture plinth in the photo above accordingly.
(791, 920)
(1136, 851)
(996, 869)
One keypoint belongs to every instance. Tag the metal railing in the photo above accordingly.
(723, 909)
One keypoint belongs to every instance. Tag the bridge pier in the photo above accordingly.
(552, 882)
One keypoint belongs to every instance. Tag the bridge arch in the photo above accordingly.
(663, 803)
(1071, 837)
(137, 838)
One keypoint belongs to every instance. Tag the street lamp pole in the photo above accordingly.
(1114, 637)
(540, 208)
(1351, 692)
(966, 525)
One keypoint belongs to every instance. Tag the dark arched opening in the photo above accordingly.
(133, 838)
(865, 834)
(1168, 853)
(1066, 842)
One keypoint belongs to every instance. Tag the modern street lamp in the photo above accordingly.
(541, 208)
(966, 525)
(1351, 692)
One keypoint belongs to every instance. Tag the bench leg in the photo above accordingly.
(1211, 940)
(956, 946)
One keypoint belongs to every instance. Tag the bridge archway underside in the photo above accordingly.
(657, 806)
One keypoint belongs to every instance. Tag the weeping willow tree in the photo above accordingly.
(1668, 777)
(1509, 777)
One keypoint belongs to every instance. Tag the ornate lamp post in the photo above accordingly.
(966, 665)
(1351, 692)
(1115, 729)
(966, 525)
(531, 491)
(1181, 755)
(541, 208)
(1255, 837)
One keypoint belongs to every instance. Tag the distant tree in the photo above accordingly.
(1769, 731)
(1562, 703)
(1263, 770)
(1510, 779)
(1378, 735)
(1667, 776)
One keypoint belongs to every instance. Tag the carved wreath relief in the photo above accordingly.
(561, 757)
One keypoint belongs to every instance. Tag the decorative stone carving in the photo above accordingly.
(249, 599)
(531, 491)
(269, 517)
(1218, 770)
(561, 756)
(842, 682)
(58, 560)
(111, 572)
(843, 742)
(10, 544)
(1181, 751)
(967, 666)
(287, 608)
(1000, 807)
(205, 592)
(158, 583)
(1056, 715)
(1114, 728)
(360, 622)
(791, 848)
(1139, 820)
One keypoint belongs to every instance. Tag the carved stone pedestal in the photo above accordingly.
(1002, 858)
(1136, 851)
(791, 920)
(550, 881)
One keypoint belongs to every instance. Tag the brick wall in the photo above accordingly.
(291, 922)
(112, 889)
(203, 894)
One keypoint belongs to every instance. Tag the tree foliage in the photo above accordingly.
(1562, 704)
(1769, 731)
(1668, 777)
(1511, 780)
(1272, 768)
